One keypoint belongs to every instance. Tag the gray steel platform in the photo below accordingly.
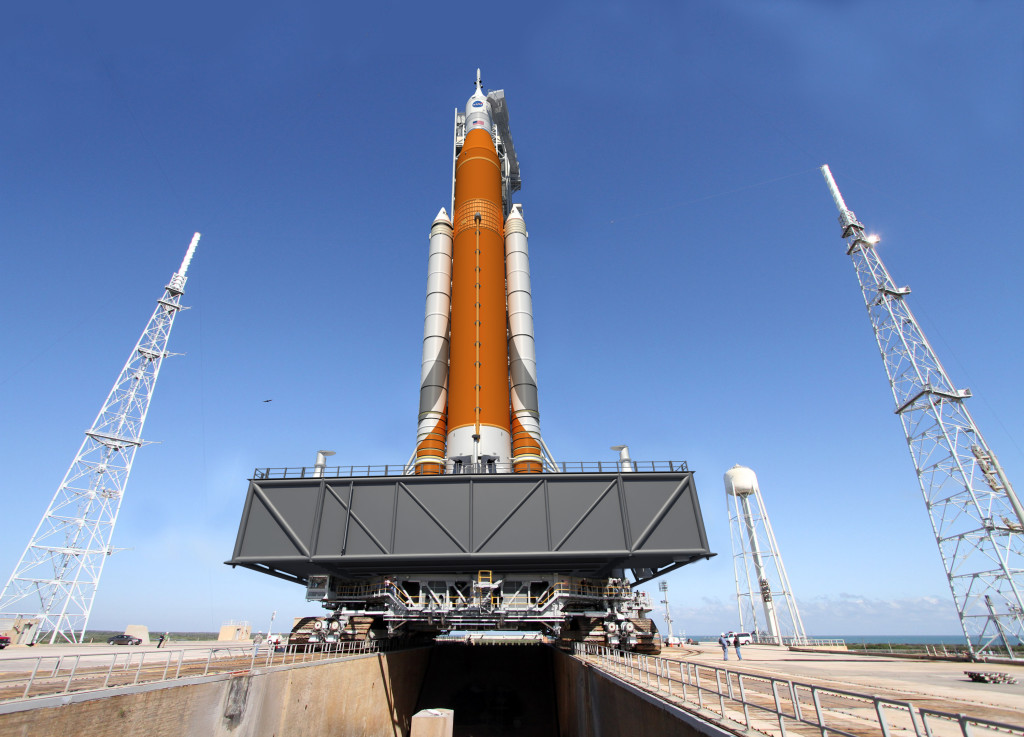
(584, 524)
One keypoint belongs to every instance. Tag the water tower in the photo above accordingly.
(757, 563)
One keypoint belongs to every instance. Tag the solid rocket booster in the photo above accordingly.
(526, 452)
(432, 432)
(478, 391)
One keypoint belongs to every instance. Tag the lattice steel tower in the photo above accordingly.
(976, 516)
(56, 579)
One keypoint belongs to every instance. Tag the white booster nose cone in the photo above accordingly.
(478, 110)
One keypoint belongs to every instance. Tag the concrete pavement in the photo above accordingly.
(935, 684)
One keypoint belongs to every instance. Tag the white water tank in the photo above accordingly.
(740, 481)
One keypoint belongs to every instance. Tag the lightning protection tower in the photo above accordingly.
(977, 519)
(757, 564)
(56, 579)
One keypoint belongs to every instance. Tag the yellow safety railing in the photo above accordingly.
(584, 588)
(486, 579)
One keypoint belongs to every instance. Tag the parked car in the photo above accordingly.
(124, 640)
(745, 637)
(4, 641)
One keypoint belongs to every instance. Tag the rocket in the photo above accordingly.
(478, 391)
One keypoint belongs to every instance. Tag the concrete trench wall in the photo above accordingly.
(593, 704)
(374, 696)
(364, 697)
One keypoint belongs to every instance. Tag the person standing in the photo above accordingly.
(736, 644)
(724, 642)
(160, 641)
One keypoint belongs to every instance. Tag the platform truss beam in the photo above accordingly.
(976, 517)
(55, 582)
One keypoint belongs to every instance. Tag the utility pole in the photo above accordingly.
(976, 517)
(55, 582)
(663, 588)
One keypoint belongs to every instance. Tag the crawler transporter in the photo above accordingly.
(555, 556)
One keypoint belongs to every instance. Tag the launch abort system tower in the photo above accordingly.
(481, 530)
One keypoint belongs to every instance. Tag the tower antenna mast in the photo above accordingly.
(54, 584)
(976, 517)
(663, 588)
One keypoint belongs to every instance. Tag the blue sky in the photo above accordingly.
(692, 295)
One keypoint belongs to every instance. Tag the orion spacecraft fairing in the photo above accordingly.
(478, 393)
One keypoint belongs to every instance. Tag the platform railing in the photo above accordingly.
(779, 706)
(51, 675)
(309, 472)
(812, 642)
(807, 642)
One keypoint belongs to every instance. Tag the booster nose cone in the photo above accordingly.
(478, 110)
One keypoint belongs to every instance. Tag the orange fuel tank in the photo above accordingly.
(478, 386)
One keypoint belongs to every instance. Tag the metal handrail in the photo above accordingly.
(309, 472)
(766, 639)
(40, 676)
(768, 704)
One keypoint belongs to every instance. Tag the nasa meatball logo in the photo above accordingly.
(478, 103)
